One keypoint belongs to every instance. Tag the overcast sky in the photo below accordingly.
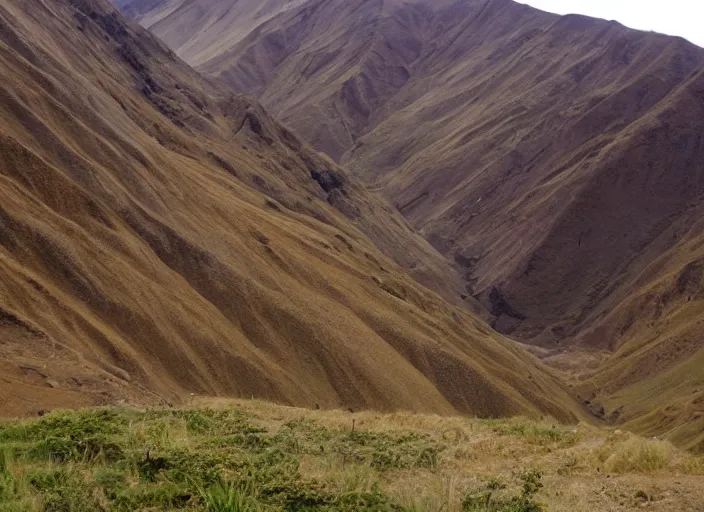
(676, 17)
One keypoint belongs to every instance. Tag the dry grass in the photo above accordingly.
(636, 455)
(584, 468)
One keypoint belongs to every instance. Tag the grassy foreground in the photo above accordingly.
(253, 456)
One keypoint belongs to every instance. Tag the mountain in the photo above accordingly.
(480, 119)
(558, 161)
(161, 237)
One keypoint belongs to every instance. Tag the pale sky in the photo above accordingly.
(675, 17)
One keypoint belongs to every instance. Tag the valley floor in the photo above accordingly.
(250, 456)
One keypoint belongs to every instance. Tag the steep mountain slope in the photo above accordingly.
(521, 143)
(141, 260)
(558, 161)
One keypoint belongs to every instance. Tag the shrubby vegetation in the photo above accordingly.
(215, 460)
(232, 460)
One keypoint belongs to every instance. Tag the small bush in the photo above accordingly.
(63, 490)
(45, 481)
(111, 481)
(301, 496)
(486, 500)
(165, 496)
(217, 422)
(533, 433)
(76, 449)
(9, 485)
(65, 425)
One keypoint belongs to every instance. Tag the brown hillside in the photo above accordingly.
(161, 238)
(558, 161)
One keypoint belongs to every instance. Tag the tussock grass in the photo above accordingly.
(637, 455)
(230, 497)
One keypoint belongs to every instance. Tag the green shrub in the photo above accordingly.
(65, 425)
(535, 434)
(45, 481)
(164, 496)
(217, 422)
(486, 500)
(111, 481)
(63, 490)
(9, 486)
(76, 449)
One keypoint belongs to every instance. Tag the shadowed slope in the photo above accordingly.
(160, 238)
(654, 380)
